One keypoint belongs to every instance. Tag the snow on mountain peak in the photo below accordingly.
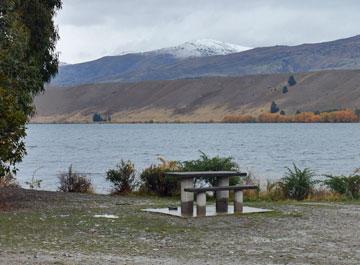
(203, 47)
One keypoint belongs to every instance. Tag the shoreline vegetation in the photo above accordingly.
(332, 116)
(337, 116)
(296, 184)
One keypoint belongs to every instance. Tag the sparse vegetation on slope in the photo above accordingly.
(201, 100)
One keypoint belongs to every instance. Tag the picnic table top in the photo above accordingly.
(195, 174)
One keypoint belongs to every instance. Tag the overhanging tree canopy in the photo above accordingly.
(27, 61)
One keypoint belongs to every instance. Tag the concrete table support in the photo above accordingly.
(238, 201)
(187, 198)
(222, 197)
(201, 204)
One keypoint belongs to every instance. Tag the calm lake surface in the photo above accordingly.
(263, 149)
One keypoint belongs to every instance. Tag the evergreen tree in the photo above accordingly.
(27, 60)
(285, 90)
(274, 108)
(292, 81)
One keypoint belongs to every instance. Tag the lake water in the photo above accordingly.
(263, 149)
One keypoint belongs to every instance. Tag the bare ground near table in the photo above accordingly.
(38, 227)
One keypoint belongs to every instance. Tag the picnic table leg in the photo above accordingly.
(222, 196)
(238, 201)
(187, 198)
(201, 204)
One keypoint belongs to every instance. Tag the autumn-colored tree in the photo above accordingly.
(339, 116)
(307, 117)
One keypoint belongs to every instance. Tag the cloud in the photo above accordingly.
(92, 29)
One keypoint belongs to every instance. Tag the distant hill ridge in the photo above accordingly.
(197, 61)
(201, 99)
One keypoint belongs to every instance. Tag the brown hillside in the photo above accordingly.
(202, 99)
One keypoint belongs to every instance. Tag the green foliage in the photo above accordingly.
(27, 60)
(274, 108)
(74, 182)
(292, 81)
(123, 177)
(12, 130)
(344, 185)
(285, 90)
(206, 163)
(357, 112)
(97, 117)
(297, 184)
(155, 181)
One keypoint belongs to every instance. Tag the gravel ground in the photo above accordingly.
(39, 227)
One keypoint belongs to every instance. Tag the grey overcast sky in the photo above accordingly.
(90, 29)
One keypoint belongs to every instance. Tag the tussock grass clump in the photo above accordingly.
(297, 184)
(74, 182)
(348, 186)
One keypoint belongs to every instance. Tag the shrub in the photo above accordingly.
(274, 191)
(344, 185)
(155, 181)
(122, 177)
(297, 184)
(7, 180)
(357, 112)
(339, 116)
(205, 163)
(273, 117)
(74, 182)
(285, 90)
(238, 119)
(306, 117)
(97, 117)
(292, 81)
(274, 108)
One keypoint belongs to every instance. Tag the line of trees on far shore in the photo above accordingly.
(338, 116)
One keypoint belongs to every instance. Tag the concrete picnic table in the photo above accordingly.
(187, 182)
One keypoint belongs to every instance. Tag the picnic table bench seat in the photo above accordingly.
(238, 197)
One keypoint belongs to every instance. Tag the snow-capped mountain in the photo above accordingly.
(202, 48)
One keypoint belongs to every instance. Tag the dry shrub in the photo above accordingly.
(324, 195)
(273, 118)
(306, 117)
(303, 117)
(239, 119)
(155, 181)
(339, 116)
(8, 180)
(250, 195)
(74, 182)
